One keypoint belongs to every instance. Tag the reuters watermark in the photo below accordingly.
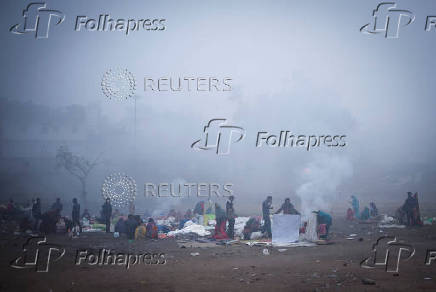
(201, 190)
(187, 84)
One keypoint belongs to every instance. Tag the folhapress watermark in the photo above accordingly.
(188, 190)
(288, 139)
(37, 254)
(388, 20)
(105, 257)
(38, 19)
(387, 253)
(105, 22)
(219, 137)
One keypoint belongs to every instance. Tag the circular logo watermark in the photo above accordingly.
(118, 84)
(119, 188)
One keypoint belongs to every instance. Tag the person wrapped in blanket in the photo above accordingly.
(141, 231)
(220, 227)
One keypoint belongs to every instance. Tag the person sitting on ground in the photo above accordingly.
(365, 214)
(252, 225)
(287, 208)
(121, 227)
(373, 210)
(131, 225)
(151, 230)
(140, 231)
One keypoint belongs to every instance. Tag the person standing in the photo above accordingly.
(287, 208)
(230, 213)
(76, 216)
(36, 213)
(408, 207)
(266, 207)
(416, 213)
(107, 213)
(220, 227)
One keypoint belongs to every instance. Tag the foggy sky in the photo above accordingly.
(297, 66)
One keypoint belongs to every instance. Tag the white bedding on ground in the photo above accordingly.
(190, 227)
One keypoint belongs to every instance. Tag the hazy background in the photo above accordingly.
(297, 66)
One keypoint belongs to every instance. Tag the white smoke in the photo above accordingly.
(322, 178)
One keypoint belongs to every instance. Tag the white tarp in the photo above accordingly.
(310, 234)
(285, 229)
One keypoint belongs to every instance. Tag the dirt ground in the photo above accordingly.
(333, 267)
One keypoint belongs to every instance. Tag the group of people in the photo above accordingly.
(222, 217)
(408, 214)
(46, 222)
(366, 214)
(31, 217)
(136, 228)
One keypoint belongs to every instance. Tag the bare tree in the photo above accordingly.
(76, 165)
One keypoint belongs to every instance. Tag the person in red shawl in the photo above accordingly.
(220, 227)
